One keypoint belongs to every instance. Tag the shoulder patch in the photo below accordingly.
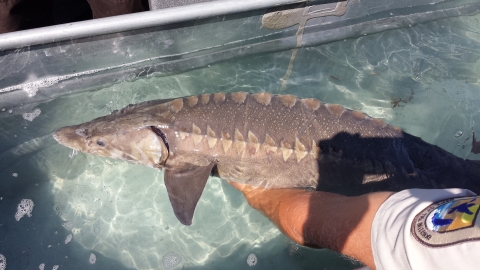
(448, 222)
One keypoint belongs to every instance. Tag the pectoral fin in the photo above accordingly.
(185, 185)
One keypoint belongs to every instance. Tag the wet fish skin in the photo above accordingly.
(268, 141)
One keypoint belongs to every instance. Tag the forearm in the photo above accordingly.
(310, 218)
(289, 210)
(321, 219)
(341, 223)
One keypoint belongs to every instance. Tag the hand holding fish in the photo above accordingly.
(320, 219)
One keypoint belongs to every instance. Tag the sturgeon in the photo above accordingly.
(270, 141)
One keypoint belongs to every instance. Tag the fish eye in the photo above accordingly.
(101, 143)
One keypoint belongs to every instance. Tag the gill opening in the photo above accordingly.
(161, 135)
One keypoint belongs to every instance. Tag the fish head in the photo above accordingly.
(117, 138)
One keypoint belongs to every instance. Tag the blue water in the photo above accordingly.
(424, 79)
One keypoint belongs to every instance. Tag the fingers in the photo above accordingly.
(252, 194)
(245, 188)
(237, 185)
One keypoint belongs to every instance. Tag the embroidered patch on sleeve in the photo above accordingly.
(448, 222)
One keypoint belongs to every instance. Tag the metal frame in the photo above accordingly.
(133, 21)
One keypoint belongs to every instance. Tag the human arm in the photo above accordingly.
(320, 219)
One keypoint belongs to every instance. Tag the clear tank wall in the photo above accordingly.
(415, 65)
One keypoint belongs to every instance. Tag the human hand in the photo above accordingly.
(287, 208)
(306, 217)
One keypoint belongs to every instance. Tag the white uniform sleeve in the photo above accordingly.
(394, 246)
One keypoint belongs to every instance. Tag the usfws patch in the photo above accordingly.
(448, 222)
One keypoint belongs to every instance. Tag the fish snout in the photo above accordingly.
(67, 136)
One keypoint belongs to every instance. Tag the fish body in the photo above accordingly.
(267, 141)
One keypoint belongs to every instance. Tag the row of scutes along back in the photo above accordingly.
(265, 98)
